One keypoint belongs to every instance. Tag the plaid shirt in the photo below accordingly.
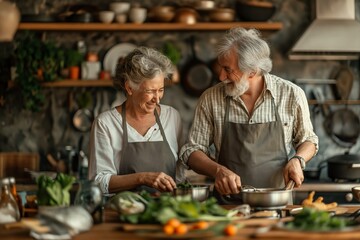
(290, 99)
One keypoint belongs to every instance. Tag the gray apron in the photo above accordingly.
(256, 152)
(146, 156)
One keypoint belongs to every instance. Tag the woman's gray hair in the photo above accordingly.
(253, 52)
(141, 64)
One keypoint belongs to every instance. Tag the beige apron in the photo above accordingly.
(256, 152)
(146, 156)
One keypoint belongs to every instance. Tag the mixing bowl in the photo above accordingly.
(197, 192)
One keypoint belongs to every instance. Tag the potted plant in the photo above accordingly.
(174, 54)
(73, 59)
(36, 61)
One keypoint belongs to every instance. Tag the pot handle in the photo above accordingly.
(290, 185)
(355, 165)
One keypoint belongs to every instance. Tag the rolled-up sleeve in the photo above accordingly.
(303, 128)
(101, 164)
(201, 132)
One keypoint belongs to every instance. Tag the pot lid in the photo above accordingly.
(345, 158)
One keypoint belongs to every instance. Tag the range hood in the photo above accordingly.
(333, 35)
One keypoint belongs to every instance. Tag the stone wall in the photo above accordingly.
(51, 129)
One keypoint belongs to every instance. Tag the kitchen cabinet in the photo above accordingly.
(265, 27)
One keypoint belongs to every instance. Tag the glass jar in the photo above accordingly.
(16, 195)
(9, 210)
(89, 196)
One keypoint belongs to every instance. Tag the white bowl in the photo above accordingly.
(119, 7)
(106, 16)
(121, 18)
(137, 15)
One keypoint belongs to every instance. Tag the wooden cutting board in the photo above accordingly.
(155, 231)
(336, 210)
(281, 234)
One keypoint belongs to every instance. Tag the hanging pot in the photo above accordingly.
(197, 75)
(346, 166)
(344, 82)
(343, 126)
(315, 172)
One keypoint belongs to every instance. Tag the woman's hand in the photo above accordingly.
(159, 181)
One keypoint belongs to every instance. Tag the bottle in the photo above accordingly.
(16, 196)
(83, 166)
(9, 211)
(90, 197)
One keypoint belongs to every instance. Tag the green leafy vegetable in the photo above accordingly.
(310, 219)
(165, 207)
(54, 192)
(185, 184)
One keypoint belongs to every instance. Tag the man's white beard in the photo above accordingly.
(236, 89)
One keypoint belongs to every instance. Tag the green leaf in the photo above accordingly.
(165, 214)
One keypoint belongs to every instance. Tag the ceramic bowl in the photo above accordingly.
(137, 15)
(106, 16)
(255, 10)
(121, 18)
(119, 7)
(162, 13)
(204, 5)
(186, 15)
(222, 15)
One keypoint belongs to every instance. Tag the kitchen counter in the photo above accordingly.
(260, 228)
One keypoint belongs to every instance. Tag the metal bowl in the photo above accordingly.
(266, 198)
(197, 192)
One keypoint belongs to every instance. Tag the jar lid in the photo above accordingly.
(5, 181)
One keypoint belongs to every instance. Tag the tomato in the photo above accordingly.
(181, 229)
(201, 225)
(168, 230)
(173, 222)
(230, 230)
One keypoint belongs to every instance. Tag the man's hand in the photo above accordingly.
(293, 171)
(226, 181)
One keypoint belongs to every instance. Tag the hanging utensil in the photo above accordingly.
(344, 82)
(197, 76)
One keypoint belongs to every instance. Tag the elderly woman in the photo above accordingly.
(135, 146)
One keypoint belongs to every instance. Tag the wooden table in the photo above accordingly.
(111, 229)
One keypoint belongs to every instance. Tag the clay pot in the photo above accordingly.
(222, 15)
(162, 13)
(9, 20)
(186, 15)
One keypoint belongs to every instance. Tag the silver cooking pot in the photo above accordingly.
(268, 198)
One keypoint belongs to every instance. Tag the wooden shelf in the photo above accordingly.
(335, 102)
(79, 83)
(205, 26)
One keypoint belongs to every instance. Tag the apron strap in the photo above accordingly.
(226, 119)
(160, 126)
(125, 134)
